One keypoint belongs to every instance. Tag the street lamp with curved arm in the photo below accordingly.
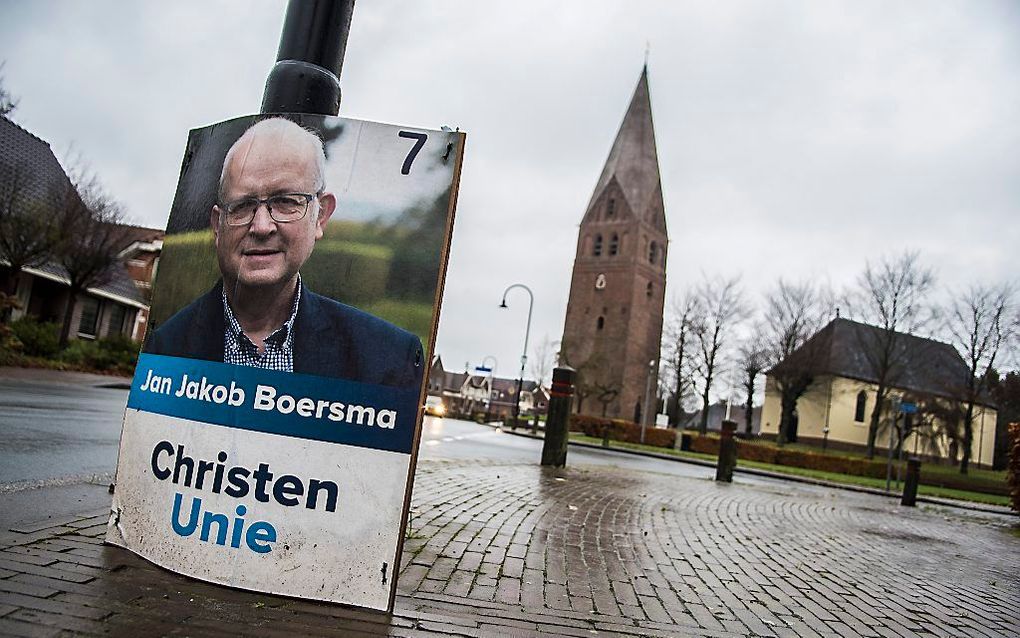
(524, 357)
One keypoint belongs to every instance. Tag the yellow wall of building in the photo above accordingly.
(832, 401)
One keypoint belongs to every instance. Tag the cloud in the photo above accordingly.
(795, 138)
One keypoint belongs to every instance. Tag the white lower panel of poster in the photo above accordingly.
(343, 556)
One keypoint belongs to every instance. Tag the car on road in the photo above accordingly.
(434, 406)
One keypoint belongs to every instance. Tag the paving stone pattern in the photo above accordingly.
(513, 550)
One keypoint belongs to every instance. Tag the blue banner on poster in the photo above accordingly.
(299, 405)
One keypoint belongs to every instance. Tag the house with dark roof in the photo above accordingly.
(30, 172)
(468, 393)
(836, 408)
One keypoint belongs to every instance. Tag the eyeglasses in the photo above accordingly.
(285, 208)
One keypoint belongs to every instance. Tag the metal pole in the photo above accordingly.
(524, 357)
(306, 76)
(488, 396)
(888, 463)
(648, 391)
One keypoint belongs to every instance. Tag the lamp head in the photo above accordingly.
(503, 304)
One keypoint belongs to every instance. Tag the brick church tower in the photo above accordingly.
(617, 289)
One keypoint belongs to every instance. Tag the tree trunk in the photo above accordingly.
(876, 415)
(703, 424)
(968, 436)
(789, 404)
(749, 407)
(677, 396)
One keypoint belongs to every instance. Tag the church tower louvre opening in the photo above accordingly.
(613, 326)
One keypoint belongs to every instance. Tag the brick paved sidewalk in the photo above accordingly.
(517, 550)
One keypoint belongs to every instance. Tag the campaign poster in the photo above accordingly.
(271, 431)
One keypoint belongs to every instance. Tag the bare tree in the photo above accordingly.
(542, 363)
(605, 393)
(92, 237)
(589, 374)
(891, 295)
(543, 360)
(794, 312)
(754, 358)
(982, 324)
(8, 103)
(722, 308)
(679, 344)
(28, 225)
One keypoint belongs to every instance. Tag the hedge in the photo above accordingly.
(345, 270)
(767, 452)
(620, 430)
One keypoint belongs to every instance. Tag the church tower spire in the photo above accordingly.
(617, 290)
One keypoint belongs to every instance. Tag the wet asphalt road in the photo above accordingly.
(62, 430)
(54, 431)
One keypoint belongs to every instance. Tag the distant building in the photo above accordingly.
(121, 305)
(844, 390)
(717, 414)
(467, 394)
(613, 323)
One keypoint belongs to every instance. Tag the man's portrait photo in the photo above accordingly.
(275, 302)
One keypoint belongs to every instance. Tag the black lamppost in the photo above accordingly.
(524, 357)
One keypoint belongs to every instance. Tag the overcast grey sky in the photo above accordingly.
(795, 138)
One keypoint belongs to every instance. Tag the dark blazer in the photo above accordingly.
(330, 339)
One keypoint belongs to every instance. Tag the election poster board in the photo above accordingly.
(271, 432)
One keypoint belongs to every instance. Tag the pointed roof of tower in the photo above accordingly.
(633, 160)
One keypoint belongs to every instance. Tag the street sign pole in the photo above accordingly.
(888, 463)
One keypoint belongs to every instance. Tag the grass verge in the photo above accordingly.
(845, 479)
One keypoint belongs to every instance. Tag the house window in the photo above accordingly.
(614, 244)
(89, 317)
(653, 252)
(600, 323)
(862, 402)
(118, 314)
(597, 251)
(611, 207)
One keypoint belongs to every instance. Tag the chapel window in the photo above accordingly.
(862, 402)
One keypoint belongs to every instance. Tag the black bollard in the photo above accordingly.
(727, 453)
(554, 449)
(911, 482)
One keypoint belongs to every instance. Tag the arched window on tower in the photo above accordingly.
(597, 249)
(653, 252)
(859, 409)
(600, 323)
(614, 244)
(611, 207)
(649, 289)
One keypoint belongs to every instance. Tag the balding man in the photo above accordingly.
(271, 208)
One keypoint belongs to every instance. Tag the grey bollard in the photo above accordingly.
(727, 453)
(910, 483)
(557, 421)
